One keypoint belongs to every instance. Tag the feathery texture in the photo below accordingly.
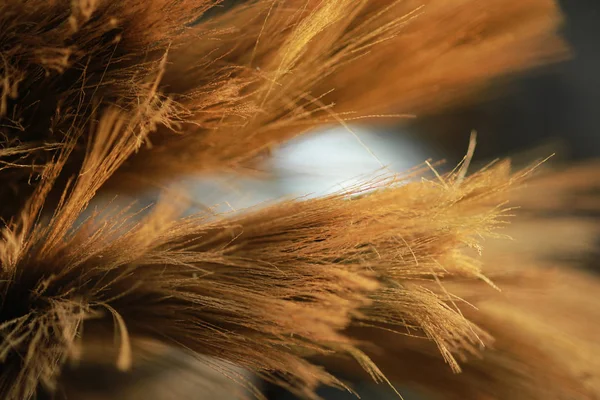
(543, 320)
(262, 290)
(97, 94)
(221, 91)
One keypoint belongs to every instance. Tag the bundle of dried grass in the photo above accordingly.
(86, 83)
(261, 291)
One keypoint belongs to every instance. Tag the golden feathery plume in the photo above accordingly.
(262, 290)
(542, 320)
(118, 95)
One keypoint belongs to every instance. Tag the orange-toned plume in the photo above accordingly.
(108, 96)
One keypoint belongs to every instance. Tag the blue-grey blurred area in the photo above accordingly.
(317, 164)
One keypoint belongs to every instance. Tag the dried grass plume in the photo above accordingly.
(113, 96)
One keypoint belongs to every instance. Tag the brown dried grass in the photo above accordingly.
(544, 319)
(544, 330)
(86, 85)
(262, 290)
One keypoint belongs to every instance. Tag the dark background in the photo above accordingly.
(558, 104)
